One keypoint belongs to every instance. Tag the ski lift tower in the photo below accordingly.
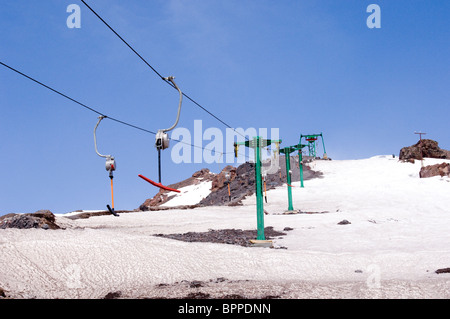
(311, 139)
(287, 153)
(257, 143)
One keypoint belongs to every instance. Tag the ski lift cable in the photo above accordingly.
(100, 113)
(118, 35)
(51, 89)
(155, 71)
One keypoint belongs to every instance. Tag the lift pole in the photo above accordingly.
(325, 156)
(287, 151)
(300, 165)
(257, 143)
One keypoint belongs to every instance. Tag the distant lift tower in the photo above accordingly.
(311, 140)
(287, 153)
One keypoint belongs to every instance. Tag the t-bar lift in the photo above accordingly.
(162, 141)
(110, 166)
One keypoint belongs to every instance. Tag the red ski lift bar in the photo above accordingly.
(158, 184)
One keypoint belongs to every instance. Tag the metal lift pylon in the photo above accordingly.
(287, 152)
(311, 139)
(257, 143)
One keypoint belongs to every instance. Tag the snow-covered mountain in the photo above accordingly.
(395, 238)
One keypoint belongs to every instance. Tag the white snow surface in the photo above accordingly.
(190, 195)
(397, 237)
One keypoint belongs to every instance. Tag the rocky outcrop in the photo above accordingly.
(228, 174)
(43, 219)
(423, 148)
(442, 169)
(241, 181)
(242, 184)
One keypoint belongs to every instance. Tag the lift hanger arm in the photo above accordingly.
(100, 118)
(170, 79)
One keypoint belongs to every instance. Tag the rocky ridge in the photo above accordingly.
(42, 219)
(423, 148)
(241, 180)
(427, 148)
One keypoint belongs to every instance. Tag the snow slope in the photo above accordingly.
(190, 195)
(397, 237)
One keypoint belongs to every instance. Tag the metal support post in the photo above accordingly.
(288, 177)
(259, 195)
(257, 143)
(287, 151)
(300, 164)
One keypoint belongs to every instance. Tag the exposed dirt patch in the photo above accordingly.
(86, 215)
(295, 212)
(113, 295)
(224, 236)
(207, 290)
(443, 271)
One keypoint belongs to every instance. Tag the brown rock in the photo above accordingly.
(423, 148)
(220, 180)
(203, 173)
(442, 169)
(41, 219)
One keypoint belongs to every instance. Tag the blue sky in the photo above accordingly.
(300, 66)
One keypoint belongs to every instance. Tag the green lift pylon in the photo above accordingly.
(257, 143)
(300, 162)
(287, 152)
(311, 139)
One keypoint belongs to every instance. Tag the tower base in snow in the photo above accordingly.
(261, 243)
(290, 212)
